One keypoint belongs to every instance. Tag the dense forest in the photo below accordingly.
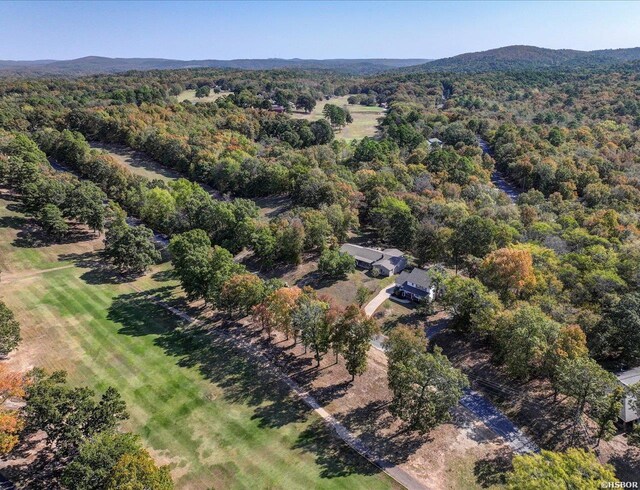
(550, 280)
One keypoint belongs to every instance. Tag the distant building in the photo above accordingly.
(415, 285)
(277, 108)
(386, 262)
(629, 378)
(434, 142)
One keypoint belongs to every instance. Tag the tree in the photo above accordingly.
(52, 221)
(190, 255)
(355, 331)
(138, 471)
(309, 318)
(337, 116)
(424, 385)
(223, 267)
(9, 330)
(510, 271)
(471, 305)
(334, 263)
(241, 293)
(130, 248)
(593, 389)
(394, 221)
(526, 340)
(575, 469)
(69, 415)
(305, 102)
(11, 421)
(362, 295)
(620, 329)
(203, 91)
(281, 304)
(97, 457)
(85, 203)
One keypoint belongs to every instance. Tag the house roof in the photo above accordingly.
(362, 254)
(434, 141)
(420, 277)
(416, 292)
(630, 377)
(393, 252)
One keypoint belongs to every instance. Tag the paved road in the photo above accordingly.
(497, 177)
(495, 420)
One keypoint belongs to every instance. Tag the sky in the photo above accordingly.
(227, 30)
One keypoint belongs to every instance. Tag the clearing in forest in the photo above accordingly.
(365, 118)
(190, 95)
(198, 402)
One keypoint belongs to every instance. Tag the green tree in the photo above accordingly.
(575, 469)
(424, 385)
(620, 329)
(471, 304)
(394, 221)
(9, 330)
(355, 331)
(526, 340)
(309, 318)
(333, 263)
(241, 293)
(190, 255)
(130, 248)
(52, 221)
(69, 415)
(203, 91)
(97, 456)
(592, 388)
(305, 102)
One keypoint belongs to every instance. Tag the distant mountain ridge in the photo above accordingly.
(521, 57)
(91, 65)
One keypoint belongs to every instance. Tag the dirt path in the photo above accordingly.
(398, 474)
(16, 276)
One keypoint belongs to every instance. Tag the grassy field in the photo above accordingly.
(138, 162)
(198, 403)
(365, 119)
(190, 95)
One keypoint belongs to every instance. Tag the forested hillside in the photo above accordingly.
(544, 281)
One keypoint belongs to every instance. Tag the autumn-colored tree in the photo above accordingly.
(509, 271)
(138, 471)
(576, 468)
(261, 315)
(281, 304)
(240, 293)
(11, 422)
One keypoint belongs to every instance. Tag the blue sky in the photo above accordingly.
(226, 30)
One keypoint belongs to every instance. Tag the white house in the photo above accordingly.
(629, 378)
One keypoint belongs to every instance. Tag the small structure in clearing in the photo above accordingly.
(385, 262)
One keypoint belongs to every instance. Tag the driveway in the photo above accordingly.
(497, 422)
(380, 298)
(473, 401)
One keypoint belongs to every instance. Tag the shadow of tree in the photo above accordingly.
(627, 465)
(492, 471)
(334, 457)
(100, 271)
(372, 420)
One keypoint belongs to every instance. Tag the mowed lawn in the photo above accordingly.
(200, 404)
(365, 119)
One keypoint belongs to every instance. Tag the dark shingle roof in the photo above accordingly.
(419, 277)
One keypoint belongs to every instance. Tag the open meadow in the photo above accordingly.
(365, 118)
(198, 402)
(190, 95)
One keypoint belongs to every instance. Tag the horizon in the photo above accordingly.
(34, 31)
